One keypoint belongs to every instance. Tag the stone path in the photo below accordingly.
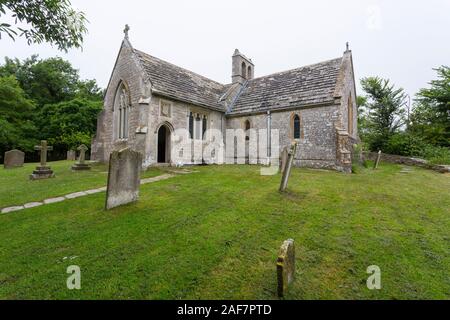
(84, 193)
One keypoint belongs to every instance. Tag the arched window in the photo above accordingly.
(296, 127)
(244, 70)
(121, 112)
(249, 72)
(247, 130)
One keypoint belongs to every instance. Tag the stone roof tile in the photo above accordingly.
(313, 84)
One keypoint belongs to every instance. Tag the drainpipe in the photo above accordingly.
(269, 130)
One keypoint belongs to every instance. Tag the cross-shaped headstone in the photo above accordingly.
(43, 148)
(82, 150)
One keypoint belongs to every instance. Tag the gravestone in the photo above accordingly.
(14, 159)
(123, 178)
(81, 164)
(285, 266)
(71, 155)
(284, 158)
(377, 161)
(43, 171)
(287, 170)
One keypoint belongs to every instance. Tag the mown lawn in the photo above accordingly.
(16, 188)
(215, 234)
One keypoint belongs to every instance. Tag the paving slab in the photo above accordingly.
(54, 200)
(33, 205)
(12, 209)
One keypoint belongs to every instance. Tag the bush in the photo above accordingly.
(410, 145)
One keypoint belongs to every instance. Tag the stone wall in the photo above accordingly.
(406, 161)
(317, 145)
(178, 118)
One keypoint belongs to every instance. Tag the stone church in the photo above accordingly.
(148, 99)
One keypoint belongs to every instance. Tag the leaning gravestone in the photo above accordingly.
(43, 171)
(287, 170)
(71, 155)
(284, 158)
(81, 164)
(123, 178)
(285, 266)
(14, 159)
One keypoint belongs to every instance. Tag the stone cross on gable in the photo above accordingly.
(82, 150)
(125, 31)
(43, 148)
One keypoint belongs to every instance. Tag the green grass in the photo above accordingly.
(215, 234)
(16, 188)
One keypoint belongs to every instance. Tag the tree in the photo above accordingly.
(16, 127)
(49, 81)
(52, 21)
(431, 114)
(69, 123)
(63, 108)
(385, 110)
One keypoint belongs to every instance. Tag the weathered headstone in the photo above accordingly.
(14, 159)
(377, 161)
(43, 171)
(71, 155)
(287, 170)
(81, 165)
(285, 266)
(123, 178)
(284, 158)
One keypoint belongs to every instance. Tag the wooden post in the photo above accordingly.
(375, 166)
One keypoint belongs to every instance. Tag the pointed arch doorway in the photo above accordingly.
(164, 144)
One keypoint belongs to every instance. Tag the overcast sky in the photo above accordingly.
(399, 40)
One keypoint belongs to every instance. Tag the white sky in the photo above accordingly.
(399, 40)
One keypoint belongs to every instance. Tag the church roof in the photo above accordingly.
(181, 84)
(308, 85)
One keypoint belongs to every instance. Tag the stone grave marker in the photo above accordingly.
(43, 171)
(284, 158)
(287, 170)
(81, 164)
(14, 159)
(285, 266)
(123, 178)
(377, 161)
(71, 155)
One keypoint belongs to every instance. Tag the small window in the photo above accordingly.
(249, 72)
(247, 130)
(204, 124)
(191, 126)
(296, 127)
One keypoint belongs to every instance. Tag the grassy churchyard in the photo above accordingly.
(215, 234)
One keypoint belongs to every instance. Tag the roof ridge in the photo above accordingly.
(294, 69)
(193, 72)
